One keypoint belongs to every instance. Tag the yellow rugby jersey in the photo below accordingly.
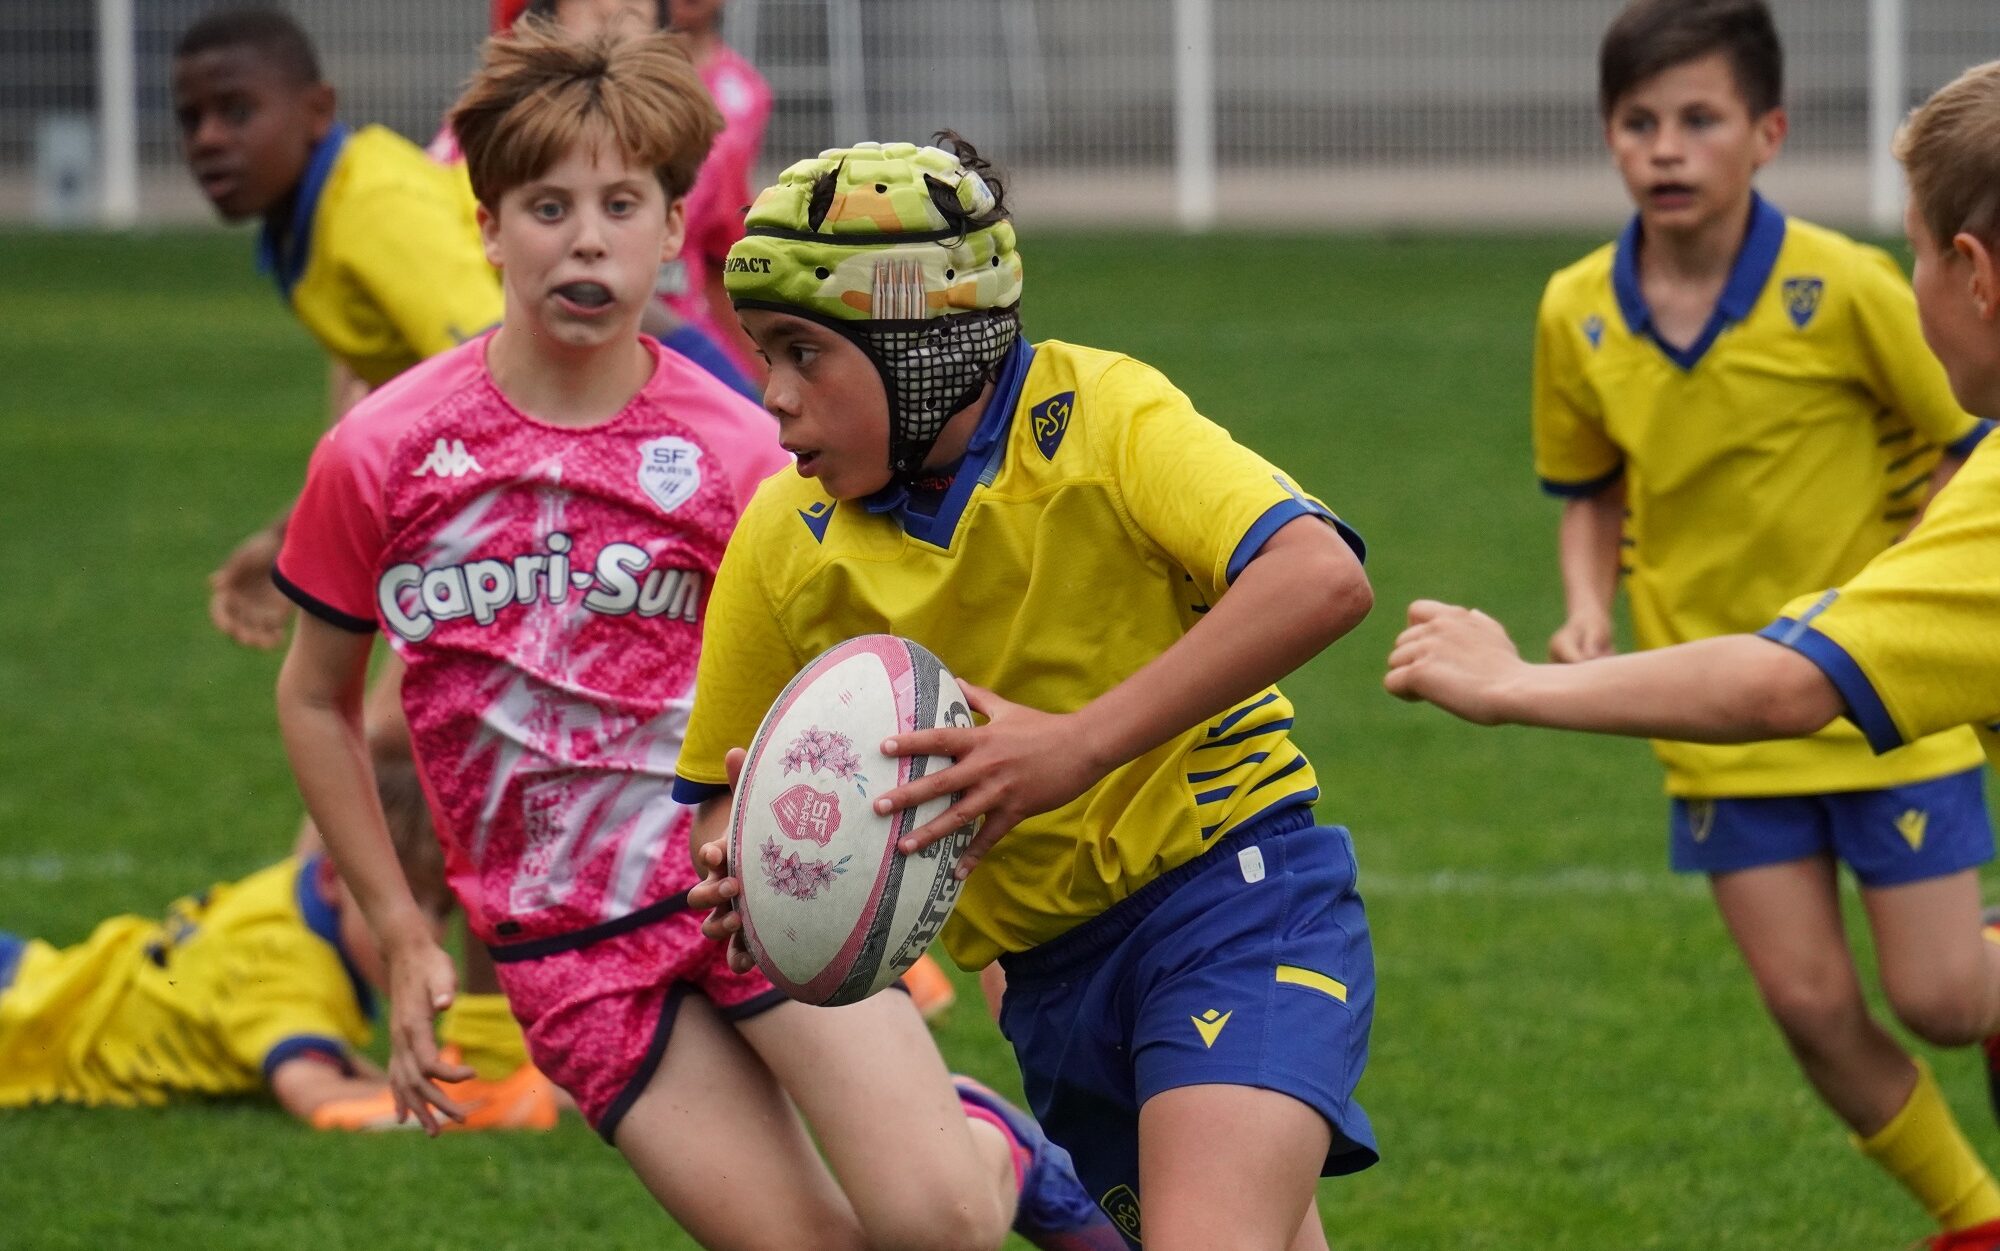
(1912, 642)
(1095, 517)
(208, 1001)
(380, 257)
(1791, 443)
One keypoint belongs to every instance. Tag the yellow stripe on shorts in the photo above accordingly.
(1293, 975)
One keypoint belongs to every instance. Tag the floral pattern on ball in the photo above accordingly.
(825, 751)
(785, 873)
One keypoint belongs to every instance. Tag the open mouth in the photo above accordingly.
(588, 296)
(1671, 192)
(215, 183)
(805, 461)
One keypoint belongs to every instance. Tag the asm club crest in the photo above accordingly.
(1051, 422)
(1802, 299)
(807, 815)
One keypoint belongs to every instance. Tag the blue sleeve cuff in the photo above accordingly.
(1583, 490)
(688, 794)
(1276, 518)
(1864, 706)
(1963, 447)
(332, 1050)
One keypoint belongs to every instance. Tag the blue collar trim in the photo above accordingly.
(980, 464)
(1747, 276)
(322, 919)
(282, 254)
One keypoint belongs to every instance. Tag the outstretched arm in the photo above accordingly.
(1738, 688)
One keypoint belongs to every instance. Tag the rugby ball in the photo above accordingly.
(832, 910)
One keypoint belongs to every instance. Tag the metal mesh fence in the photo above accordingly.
(1322, 109)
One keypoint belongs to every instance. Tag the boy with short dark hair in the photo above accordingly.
(1190, 980)
(371, 244)
(1753, 389)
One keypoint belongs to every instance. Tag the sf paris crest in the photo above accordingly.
(670, 471)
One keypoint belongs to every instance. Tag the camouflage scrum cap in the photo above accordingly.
(899, 239)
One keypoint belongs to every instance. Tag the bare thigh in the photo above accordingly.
(1228, 1167)
(719, 1146)
(1941, 975)
(870, 1082)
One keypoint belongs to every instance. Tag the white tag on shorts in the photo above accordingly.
(1252, 861)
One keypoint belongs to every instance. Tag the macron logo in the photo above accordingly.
(448, 459)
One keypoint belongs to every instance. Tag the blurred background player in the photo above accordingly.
(376, 250)
(547, 716)
(691, 284)
(265, 984)
(370, 244)
(1190, 980)
(1901, 651)
(683, 319)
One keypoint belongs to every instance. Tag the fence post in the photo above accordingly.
(1194, 114)
(117, 115)
(1887, 97)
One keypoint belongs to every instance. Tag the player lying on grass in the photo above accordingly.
(1190, 981)
(266, 984)
(1906, 647)
(549, 603)
(1737, 406)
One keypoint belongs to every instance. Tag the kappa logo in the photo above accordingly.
(1209, 1025)
(670, 471)
(1121, 1204)
(807, 815)
(817, 518)
(1802, 297)
(448, 459)
(1051, 422)
(1913, 825)
(1593, 330)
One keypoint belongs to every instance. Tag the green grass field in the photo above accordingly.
(1567, 1052)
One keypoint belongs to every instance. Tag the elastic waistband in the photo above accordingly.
(1109, 927)
(537, 948)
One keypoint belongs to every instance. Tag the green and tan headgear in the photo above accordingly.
(907, 252)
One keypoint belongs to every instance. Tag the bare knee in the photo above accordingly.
(1815, 1008)
(1941, 1010)
(922, 1219)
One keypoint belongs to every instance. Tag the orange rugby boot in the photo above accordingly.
(930, 989)
(524, 1099)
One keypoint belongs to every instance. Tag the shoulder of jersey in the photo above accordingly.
(1586, 278)
(406, 396)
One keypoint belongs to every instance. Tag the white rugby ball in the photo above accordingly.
(832, 910)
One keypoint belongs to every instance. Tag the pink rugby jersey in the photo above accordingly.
(722, 190)
(545, 586)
